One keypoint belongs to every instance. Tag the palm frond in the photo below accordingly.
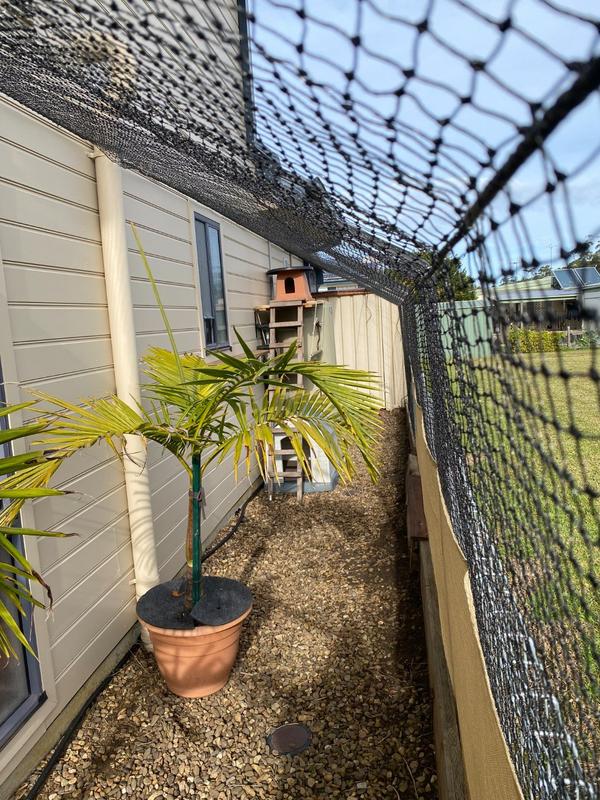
(159, 302)
(27, 476)
(76, 426)
(226, 408)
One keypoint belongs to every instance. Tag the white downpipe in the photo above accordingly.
(122, 332)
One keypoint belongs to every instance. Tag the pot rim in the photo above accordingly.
(198, 630)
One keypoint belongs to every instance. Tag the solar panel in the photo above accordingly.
(588, 276)
(566, 279)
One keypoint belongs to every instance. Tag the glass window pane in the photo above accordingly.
(588, 275)
(565, 278)
(14, 686)
(205, 294)
(18, 695)
(217, 286)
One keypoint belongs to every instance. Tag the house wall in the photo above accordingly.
(56, 337)
(165, 223)
(591, 303)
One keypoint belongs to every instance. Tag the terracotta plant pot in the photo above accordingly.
(196, 662)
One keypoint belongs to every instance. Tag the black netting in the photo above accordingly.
(444, 153)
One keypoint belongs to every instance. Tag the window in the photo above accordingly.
(212, 286)
(20, 686)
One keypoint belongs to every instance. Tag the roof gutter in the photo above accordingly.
(125, 359)
(246, 65)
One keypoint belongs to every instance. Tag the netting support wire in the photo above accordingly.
(532, 141)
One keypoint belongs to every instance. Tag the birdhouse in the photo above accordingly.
(290, 283)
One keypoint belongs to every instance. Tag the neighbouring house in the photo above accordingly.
(68, 327)
(564, 299)
(329, 282)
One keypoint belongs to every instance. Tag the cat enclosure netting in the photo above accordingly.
(445, 154)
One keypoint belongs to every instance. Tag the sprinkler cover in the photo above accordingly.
(289, 739)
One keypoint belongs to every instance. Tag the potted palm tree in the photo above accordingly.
(202, 412)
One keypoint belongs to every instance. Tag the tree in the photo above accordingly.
(203, 412)
(452, 282)
(457, 283)
(543, 271)
(590, 256)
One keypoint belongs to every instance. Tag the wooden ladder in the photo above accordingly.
(282, 320)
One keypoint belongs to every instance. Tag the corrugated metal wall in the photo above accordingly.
(367, 336)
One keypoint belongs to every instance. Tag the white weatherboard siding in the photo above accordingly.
(165, 223)
(55, 336)
(59, 341)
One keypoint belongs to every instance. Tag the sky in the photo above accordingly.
(523, 65)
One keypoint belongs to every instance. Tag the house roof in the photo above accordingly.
(540, 282)
(561, 284)
(527, 294)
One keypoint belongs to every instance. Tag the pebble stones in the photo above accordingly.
(334, 641)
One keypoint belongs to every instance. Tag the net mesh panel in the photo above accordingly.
(445, 154)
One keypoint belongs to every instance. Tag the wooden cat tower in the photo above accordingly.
(279, 324)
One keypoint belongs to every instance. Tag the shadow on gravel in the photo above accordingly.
(335, 640)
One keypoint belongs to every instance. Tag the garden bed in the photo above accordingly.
(335, 641)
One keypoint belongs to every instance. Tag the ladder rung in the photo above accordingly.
(284, 452)
(285, 324)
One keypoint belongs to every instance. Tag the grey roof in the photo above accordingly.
(562, 284)
(537, 294)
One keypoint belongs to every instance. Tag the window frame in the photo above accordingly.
(37, 696)
(207, 280)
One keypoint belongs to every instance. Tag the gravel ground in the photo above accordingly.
(335, 641)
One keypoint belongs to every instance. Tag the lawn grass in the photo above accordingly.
(534, 419)
(557, 404)
(530, 424)
(571, 400)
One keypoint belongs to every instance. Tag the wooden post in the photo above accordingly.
(448, 752)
